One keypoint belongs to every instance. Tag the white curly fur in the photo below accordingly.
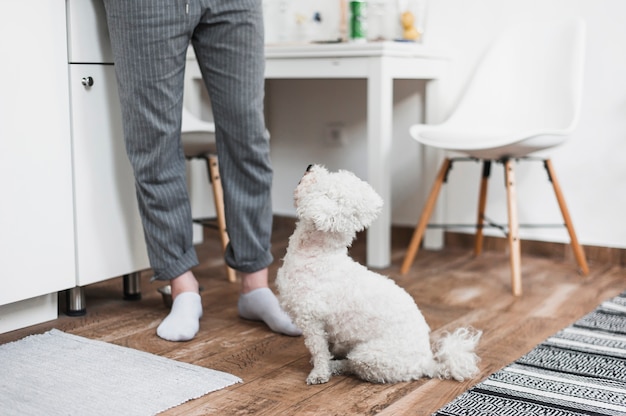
(355, 321)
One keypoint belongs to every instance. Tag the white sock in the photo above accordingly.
(262, 305)
(182, 323)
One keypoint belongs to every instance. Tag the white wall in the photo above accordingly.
(590, 166)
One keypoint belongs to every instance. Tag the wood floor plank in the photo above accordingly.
(452, 288)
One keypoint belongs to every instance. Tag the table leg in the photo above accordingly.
(432, 158)
(379, 133)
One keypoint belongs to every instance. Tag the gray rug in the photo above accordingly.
(580, 370)
(61, 374)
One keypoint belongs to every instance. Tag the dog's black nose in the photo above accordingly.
(308, 168)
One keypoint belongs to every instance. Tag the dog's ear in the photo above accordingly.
(360, 203)
(323, 212)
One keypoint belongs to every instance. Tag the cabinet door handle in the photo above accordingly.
(87, 81)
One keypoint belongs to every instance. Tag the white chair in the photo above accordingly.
(525, 96)
(198, 137)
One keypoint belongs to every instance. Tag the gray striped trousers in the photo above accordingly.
(150, 40)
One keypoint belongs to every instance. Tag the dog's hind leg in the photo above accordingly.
(378, 363)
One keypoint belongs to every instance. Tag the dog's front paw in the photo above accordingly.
(318, 377)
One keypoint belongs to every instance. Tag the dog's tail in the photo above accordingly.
(454, 354)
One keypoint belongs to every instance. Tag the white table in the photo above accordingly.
(380, 63)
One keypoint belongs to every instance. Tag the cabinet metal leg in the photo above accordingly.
(75, 301)
(132, 286)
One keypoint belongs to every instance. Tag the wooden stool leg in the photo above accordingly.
(425, 217)
(218, 197)
(514, 241)
(482, 203)
(578, 250)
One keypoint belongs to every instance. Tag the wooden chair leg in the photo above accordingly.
(482, 203)
(418, 234)
(514, 240)
(218, 197)
(578, 250)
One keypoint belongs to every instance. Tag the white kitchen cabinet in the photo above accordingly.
(88, 34)
(68, 213)
(36, 208)
(109, 235)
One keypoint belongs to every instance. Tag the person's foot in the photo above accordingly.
(261, 305)
(182, 323)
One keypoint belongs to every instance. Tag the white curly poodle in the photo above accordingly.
(356, 321)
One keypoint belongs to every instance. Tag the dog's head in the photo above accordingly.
(336, 201)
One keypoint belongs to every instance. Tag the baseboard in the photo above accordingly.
(28, 312)
(401, 236)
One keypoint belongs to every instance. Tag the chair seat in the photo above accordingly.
(198, 136)
(492, 144)
(197, 144)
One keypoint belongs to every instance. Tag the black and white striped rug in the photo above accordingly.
(581, 370)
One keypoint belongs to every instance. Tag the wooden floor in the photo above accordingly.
(451, 287)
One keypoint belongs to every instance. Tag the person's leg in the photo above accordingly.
(149, 40)
(229, 46)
